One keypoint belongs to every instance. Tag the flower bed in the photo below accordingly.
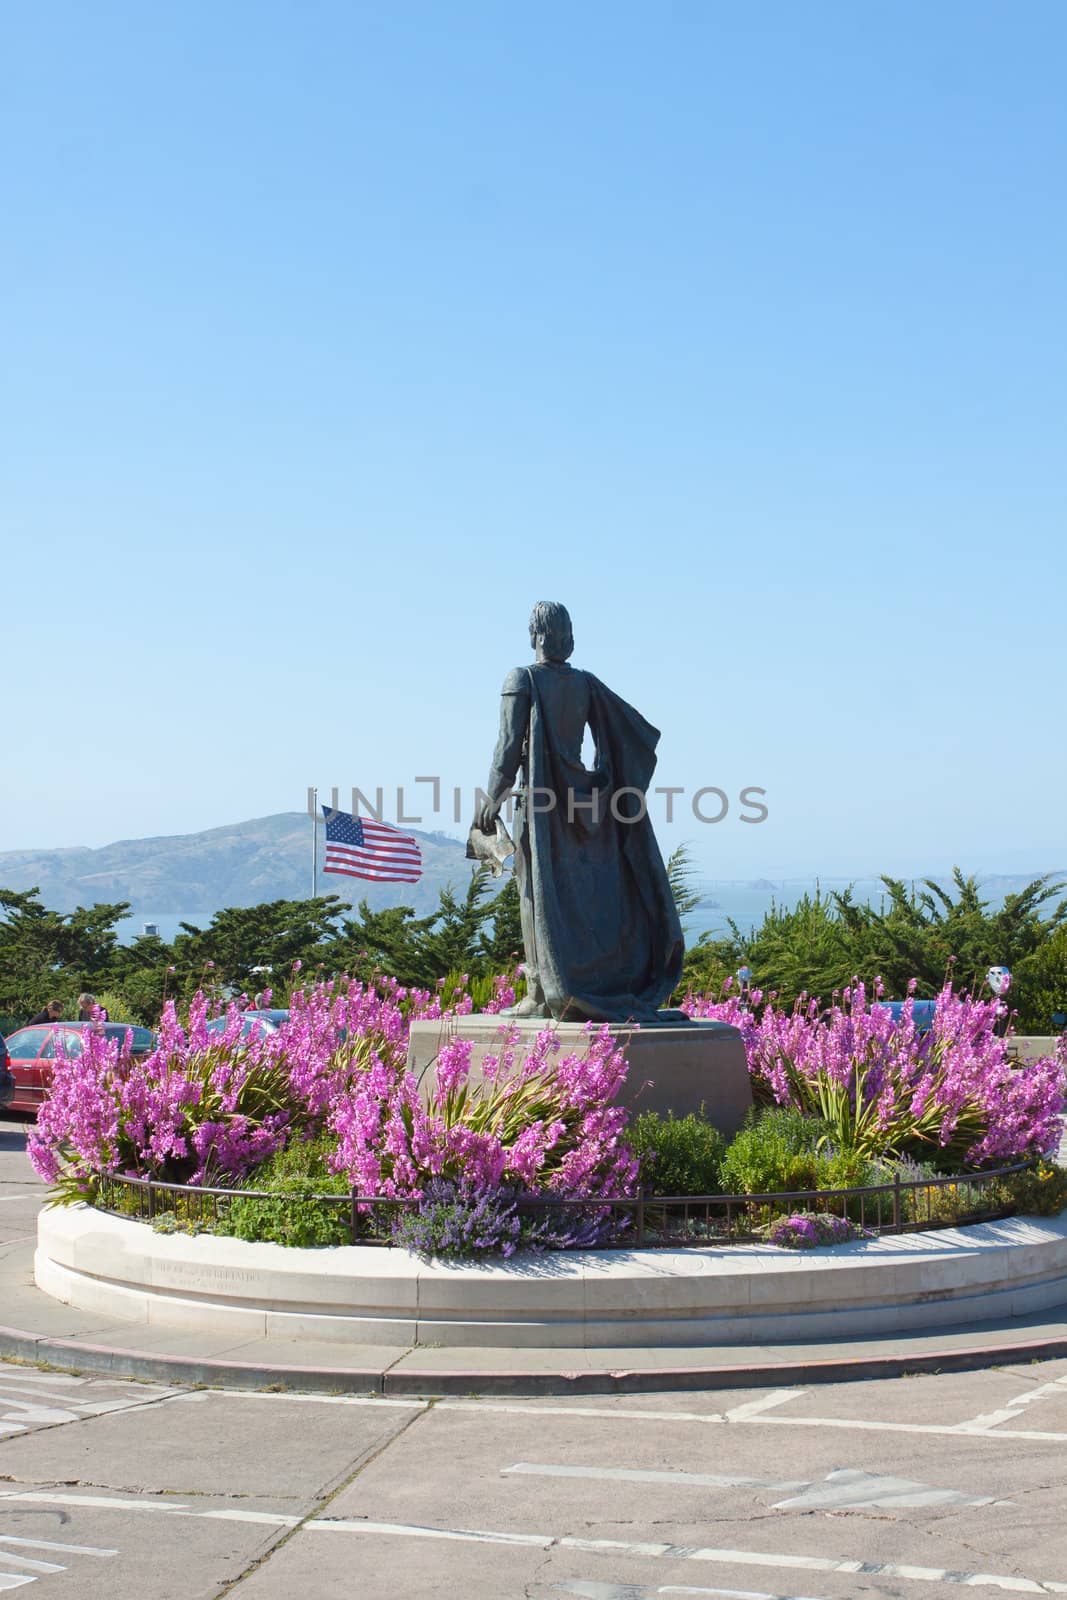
(879, 1081)
(452, 1219)
(538, 1154)
(204, 1107)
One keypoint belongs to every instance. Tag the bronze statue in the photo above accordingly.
(599, 924)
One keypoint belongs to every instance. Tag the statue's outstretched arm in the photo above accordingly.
(507, 757)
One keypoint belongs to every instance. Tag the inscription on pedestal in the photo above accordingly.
(193, 1272)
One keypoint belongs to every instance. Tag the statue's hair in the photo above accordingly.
(552, 621)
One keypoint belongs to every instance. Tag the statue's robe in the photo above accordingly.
(599, 922)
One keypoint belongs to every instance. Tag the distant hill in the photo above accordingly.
(196, 874)
(192, 875)
(747, 901)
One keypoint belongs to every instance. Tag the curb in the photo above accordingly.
(385, 1383)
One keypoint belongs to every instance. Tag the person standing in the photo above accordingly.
(86, 1006)
(51, 1013)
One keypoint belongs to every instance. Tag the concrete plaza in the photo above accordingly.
(112, 1489)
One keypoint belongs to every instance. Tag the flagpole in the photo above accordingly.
(315, 844)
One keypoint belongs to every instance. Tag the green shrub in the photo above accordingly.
(292, 1216)
(1041, 1192)
(776, 1149)
(677, 1155)
(173, 1222)
(948, 1202)
(848, 1169)
(936, 1203)
(117, 1007)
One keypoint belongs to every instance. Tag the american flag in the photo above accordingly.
(362, 848)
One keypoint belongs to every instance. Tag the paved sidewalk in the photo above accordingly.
(36, 1328)
(912, 1488)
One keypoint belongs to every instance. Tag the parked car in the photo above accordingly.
(922, 1012)
(7, 1078)
(252, 1022)
(32, 1052)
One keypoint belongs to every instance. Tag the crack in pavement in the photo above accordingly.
(369, 1457)
(143, 1489)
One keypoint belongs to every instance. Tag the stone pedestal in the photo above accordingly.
(679, 1068)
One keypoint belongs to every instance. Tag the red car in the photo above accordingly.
(33, 1050)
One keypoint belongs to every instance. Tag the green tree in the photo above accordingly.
(140, 972)
(46, 955)
(1041, 985)
(928, 932)
(817, 946)
(240, 938)
(680, 875)
(389, 941)
(500, 940)
(475, 934)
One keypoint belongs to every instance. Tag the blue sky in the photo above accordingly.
(337, 335)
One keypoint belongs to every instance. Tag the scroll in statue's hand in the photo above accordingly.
(492, 845)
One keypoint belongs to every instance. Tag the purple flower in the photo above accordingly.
(896, 1087)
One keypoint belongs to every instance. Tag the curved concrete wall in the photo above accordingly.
(594, 1299)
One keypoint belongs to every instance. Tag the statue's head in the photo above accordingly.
(550, 626)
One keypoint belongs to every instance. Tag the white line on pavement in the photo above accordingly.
(16, 1375)
(950, 1430)
(583, 1589)
(697, 1480)
(11, 1580)
(34, 1563)
(23, 1409)
(1042, 1392)
(987, 1426)
(850, 1487)
(274, 1519)
(730, 1594)
(751, 1413)
(10, 1394)
(46, 1384)
(626, 1413)
(546, 1541)
(1015, 1408)
(51, 1544)
(30, 1410)
(844, 1487)
(135, 1397)
(752, 1408)
(170, 1508)
(724, 1557)
(312, 1399)
(99, 1502)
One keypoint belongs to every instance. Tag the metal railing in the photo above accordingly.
(618, 1222)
